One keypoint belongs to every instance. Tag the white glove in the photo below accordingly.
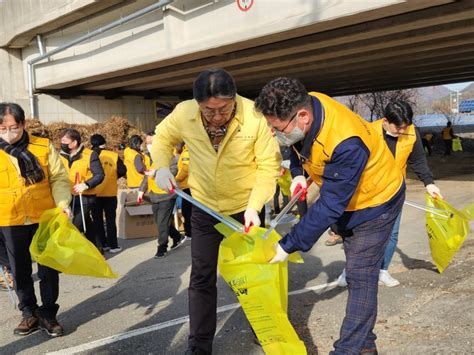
(140, 197)
(150, 172)
(298, 180)
(433, 190)
(285, 164)
(80, 188)
(164, 179)
(280, 255)
(251, 219)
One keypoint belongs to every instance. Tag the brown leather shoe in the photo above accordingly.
(3, 284)
(333, 239)
(9, 279)
(52, 327)
(27, 326)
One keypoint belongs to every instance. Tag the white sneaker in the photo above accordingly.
(341, 280)
(116, 250)
(385, 279)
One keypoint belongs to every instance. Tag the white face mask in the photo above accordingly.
(148, 147)
(9, 136)
(288, 139)
(390, 129)
(388, 133)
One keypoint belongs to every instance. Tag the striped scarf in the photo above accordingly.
(30, 168)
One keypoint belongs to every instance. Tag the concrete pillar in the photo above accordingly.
(12, 84)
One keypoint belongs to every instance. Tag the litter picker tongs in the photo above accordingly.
(274, 222)
(231, 222)
(228, 221)
(436, 211)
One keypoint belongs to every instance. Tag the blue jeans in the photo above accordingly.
(392, 243)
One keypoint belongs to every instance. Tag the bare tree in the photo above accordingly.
(443, 107)
(353, 102)
(375, 102)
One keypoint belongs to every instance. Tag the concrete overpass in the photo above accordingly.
(339, 47)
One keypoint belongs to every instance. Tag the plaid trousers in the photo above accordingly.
(364, 250)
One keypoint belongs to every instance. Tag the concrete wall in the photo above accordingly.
(21, 20)
(81, 110)
(12, 83)
(92, 109)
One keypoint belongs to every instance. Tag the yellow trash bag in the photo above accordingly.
(446, 234)
(262, 288)
(284, 182)
(469, 211)
(59, 245)
(457, 146)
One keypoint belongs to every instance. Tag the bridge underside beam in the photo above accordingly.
(426, 47)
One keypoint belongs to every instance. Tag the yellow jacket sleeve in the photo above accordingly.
(167, 135)
(268, 160)
(58, 179)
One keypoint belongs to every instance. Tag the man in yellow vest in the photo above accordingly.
(448, 135)
(33, 180)
(361, 191)
(233, 165)
(135, 162)
(85, 173)
(106, 202)
(404, 141)
(162, 207)
(427, 141)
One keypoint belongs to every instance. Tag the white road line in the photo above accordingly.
(133, 333)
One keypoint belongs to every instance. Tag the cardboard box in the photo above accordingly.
(134, 221)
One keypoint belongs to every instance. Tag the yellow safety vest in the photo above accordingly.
(151, 179)
(134, 178)
(18, 201)
(380, 180)
(446, 133)
(108, 187)
(404, 146)
(82, 167)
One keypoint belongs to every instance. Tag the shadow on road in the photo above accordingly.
(412, 264)
(147, 287)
